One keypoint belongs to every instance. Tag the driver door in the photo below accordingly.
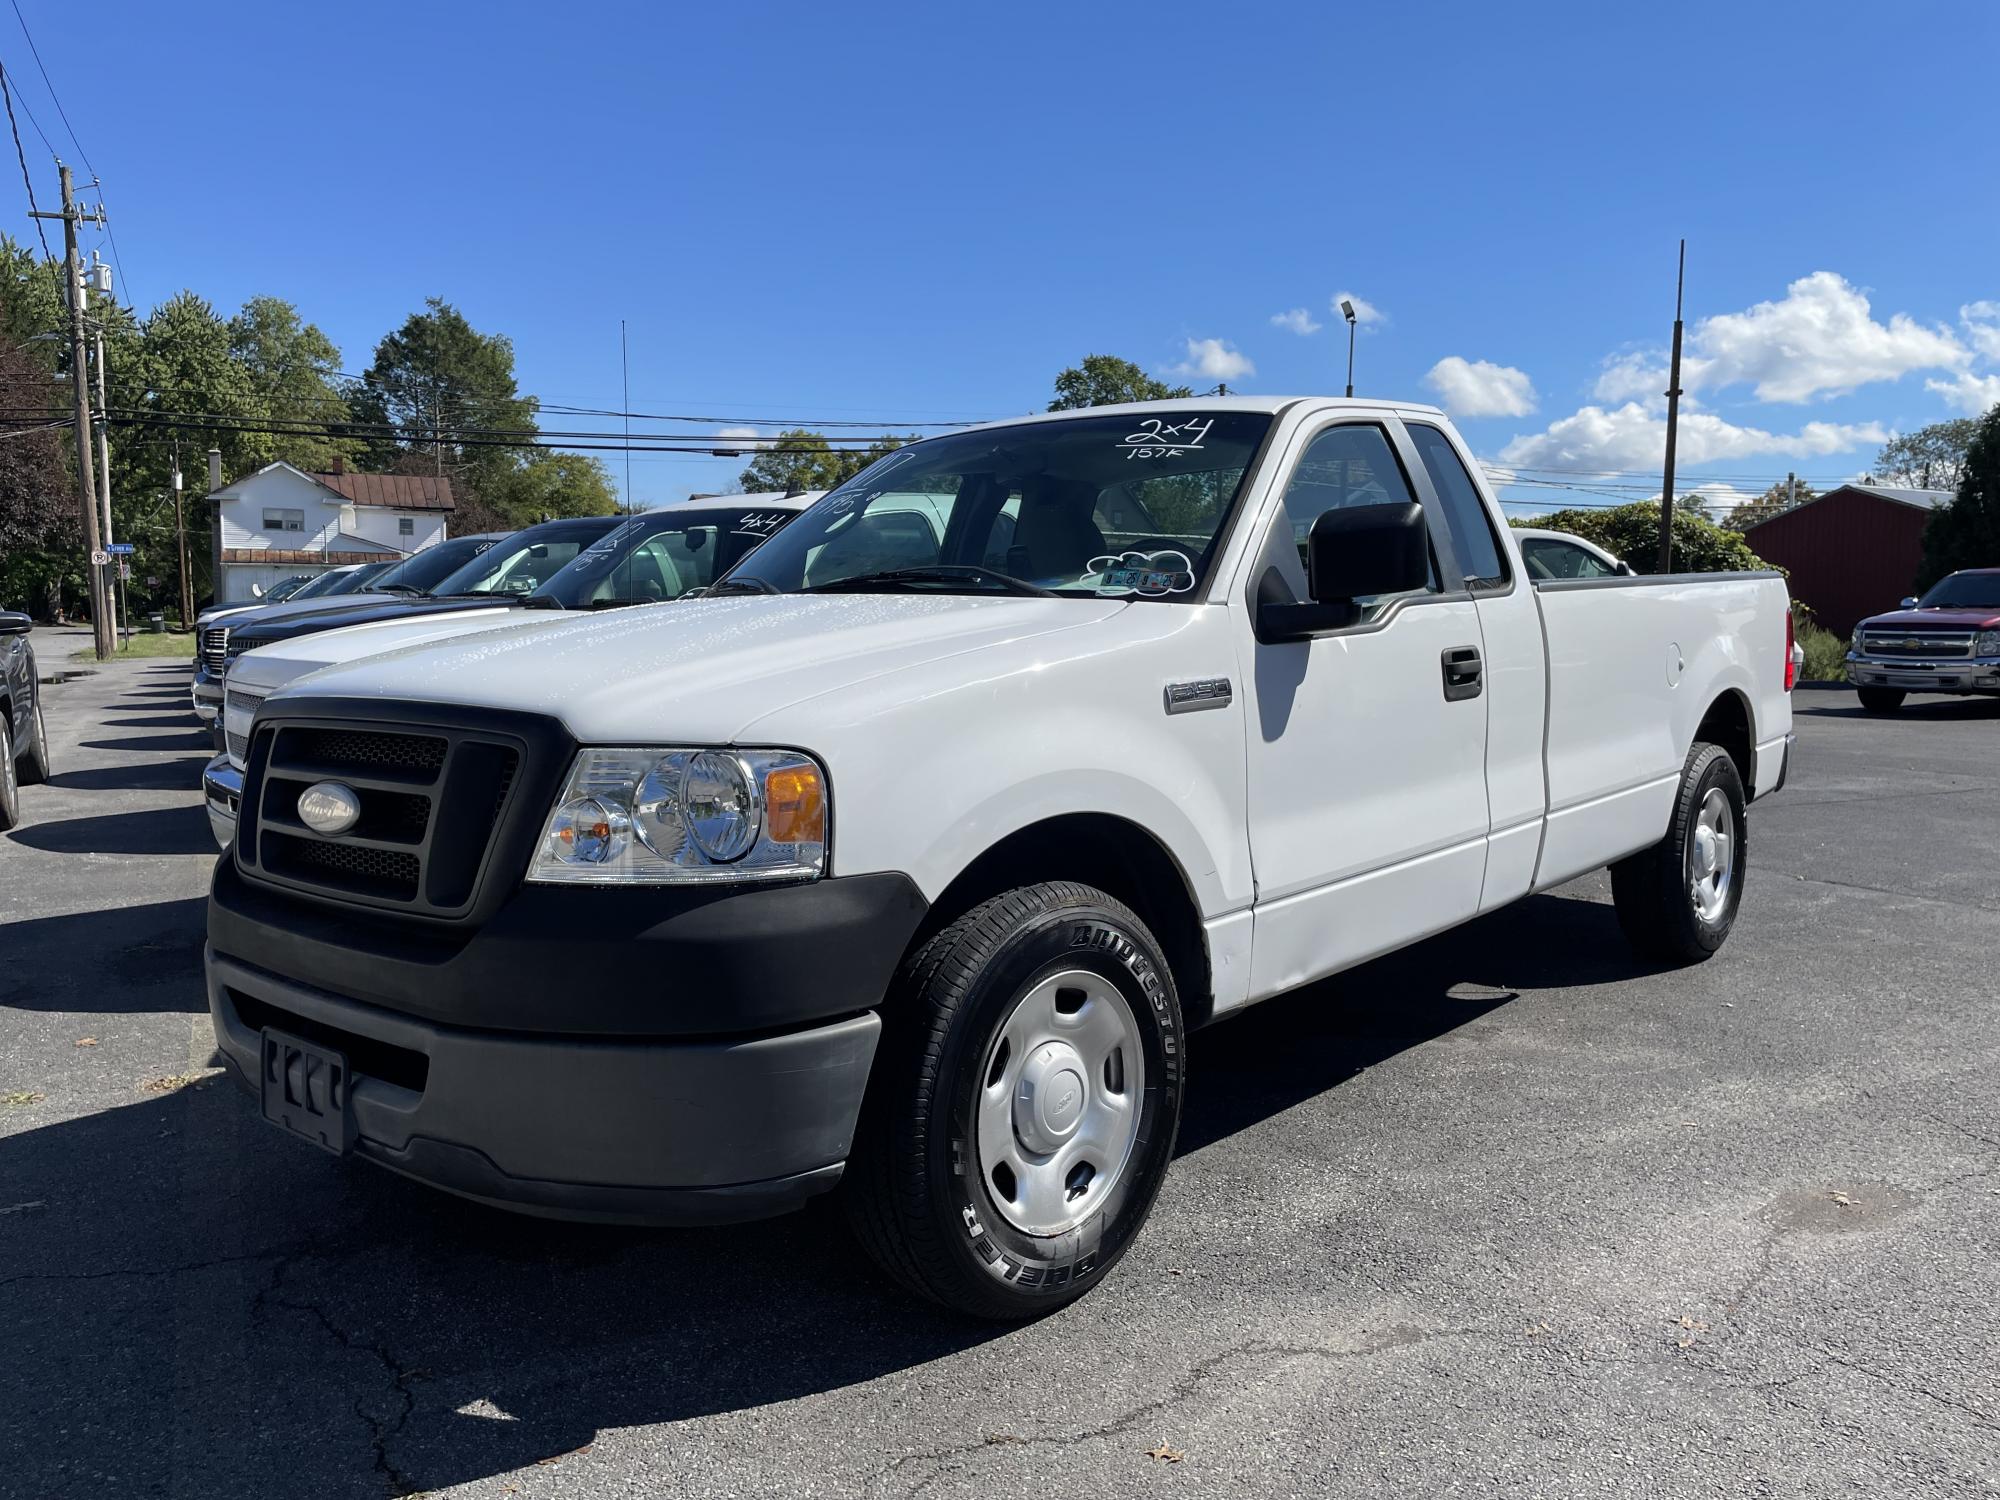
(1367, 788)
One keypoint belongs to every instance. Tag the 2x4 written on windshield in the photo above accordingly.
(1156, 438)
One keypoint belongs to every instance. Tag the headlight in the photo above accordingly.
(653, 817)
(1854, 641)
(1988, 643)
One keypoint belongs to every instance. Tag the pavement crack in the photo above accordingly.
(382, 1430)
(1183, 1389)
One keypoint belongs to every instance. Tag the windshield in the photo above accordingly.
(278, 593)
(423, 571)
(525, 561)
(1965, 591)
(351, 582)
(1117, 506)
(662, 555)
(314, 587)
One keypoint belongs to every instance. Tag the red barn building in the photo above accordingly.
(1852, 552)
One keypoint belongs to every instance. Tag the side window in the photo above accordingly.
(1548, 558)
(1001, 537)
(1472, 537)
(874, 542)
(1351, 464)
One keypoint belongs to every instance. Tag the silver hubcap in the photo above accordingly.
(1058, 1107)
(1712, 856)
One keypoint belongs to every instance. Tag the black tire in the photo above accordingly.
(931, 1223)
(1880, 700)
(10, 787)
(1651, 889)
(34, 762)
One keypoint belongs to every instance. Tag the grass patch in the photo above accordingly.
(1826, 654)
(174, 646)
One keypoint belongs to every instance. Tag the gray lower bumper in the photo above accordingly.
(634, 1130)
(206, 696)
(222, 793)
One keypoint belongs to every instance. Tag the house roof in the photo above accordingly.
(385, 491)
(1917, 499)
(392, 491)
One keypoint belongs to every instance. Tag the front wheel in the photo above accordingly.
(1024, 1106)
(10, 788)
(35, 759)
(1678, 899)
(1880, 700)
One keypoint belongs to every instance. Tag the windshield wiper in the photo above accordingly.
(748, 583)
(1007, 583)
(395, 588)
(541, 601)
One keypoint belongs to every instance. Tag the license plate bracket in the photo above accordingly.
(304, 1089)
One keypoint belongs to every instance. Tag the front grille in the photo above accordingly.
(237, 744)
(245, 700)
(431, 803)
(365, 1055)
(1918, 644)
(212, 645)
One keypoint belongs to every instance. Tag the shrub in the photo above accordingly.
(1632, 532)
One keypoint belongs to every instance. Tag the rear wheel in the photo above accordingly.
(10, 788)
(35, 759)
(1880, 700)
(1678, 899)
(1024, 1105)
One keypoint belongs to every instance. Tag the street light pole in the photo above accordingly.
(1347, 312)
(1666, 562)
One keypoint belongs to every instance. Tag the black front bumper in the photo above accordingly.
(651, 1056)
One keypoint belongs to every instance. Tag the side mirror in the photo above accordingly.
(1624, 569)
(12, 622)
(1353, 553)
(1909, 602)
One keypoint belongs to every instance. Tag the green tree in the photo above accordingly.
(801, 459)
(1774, 501)
(1966, 533)
(1633, 533)
(292, 368)
(446, 391)
(1106, 380)
(41, 536)
(545, 485)
(1931, 458)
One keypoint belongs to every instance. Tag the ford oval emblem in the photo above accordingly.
(328, 807)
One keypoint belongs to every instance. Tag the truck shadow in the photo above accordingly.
(200, 1303)
(153, 830)
(124, 961)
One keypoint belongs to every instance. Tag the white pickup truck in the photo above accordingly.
(906, 858)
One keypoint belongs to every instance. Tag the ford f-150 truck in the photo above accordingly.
(906, 858)
(1946, 642)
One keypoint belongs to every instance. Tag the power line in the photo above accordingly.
(27, 181)
(52, 93)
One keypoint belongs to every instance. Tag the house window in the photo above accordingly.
(284, 520)
(406, 526)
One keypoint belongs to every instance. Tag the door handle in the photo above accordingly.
(1464, 673)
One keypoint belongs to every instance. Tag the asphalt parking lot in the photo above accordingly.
(1508, 1214)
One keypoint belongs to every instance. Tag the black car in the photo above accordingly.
(24, 737)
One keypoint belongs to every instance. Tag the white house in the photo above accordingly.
(281, 520)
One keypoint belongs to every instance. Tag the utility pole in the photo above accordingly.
(180, 530)
(100, 278)
(1666, 562)
(625, 371)
(79, 369)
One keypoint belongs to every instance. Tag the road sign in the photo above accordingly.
(119, 548)
(124, 569)
(99, 558)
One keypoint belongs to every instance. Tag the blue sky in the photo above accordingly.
(921, 213)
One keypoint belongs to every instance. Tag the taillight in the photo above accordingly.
(1791, 653)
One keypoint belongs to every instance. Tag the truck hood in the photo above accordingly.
(257, 614)
(255, 635)
(267, 666)
(696, 669)
(1936, 619)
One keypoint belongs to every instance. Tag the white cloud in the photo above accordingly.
(1365, 312)
(1970, 393)
(1604, 440)
(1820, 339)
(744, 438)
(1214, 359)
(1480, 388)
(1298, 321)
(1981, 322)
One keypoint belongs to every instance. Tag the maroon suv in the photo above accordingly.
(1946, 642)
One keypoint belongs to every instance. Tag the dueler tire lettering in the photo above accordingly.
(914, 1191)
